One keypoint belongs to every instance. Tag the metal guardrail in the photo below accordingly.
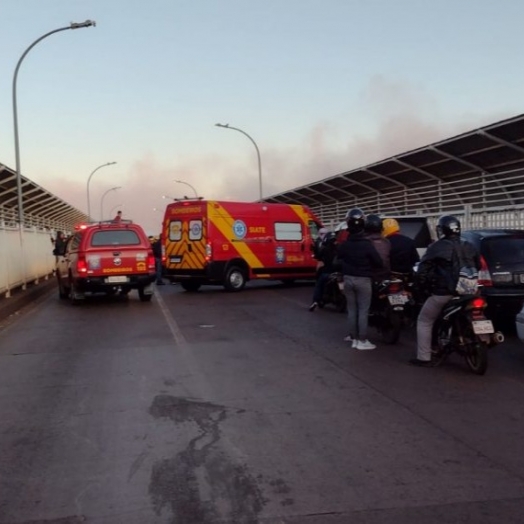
(486, 200)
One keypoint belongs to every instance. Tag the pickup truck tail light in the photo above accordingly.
(81, 265)
(151, 261)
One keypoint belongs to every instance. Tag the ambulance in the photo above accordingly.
(230, 243)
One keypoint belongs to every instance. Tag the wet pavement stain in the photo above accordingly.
(201, 484)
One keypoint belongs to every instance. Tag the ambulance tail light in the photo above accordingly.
(209, 252)
(81, 265)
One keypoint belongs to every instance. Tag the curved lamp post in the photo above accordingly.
(73, 25)
(87, 23)
(189, 185)
(89, 180)
(227, 126)
(102, 200)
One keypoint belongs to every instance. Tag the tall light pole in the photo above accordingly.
(227, 126)
(189, 185)
(89, 180)
(73, 25)
(87, 23)
(102, 200)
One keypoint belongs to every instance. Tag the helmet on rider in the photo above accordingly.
(390, 226)
(330, 237)
(373, 224)
(356, 220)
(447, 226)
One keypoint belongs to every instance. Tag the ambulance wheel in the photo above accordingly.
(190, 285)
(235, 279)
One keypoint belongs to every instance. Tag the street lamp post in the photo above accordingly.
(89, 180)
(189, 185)
(73, 25)
(227, 126)
(102, 200)
(87, 23)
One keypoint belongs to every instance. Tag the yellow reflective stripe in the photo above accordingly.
(224, 223)
(302, 214)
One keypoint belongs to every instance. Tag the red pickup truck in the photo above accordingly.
(106, 257)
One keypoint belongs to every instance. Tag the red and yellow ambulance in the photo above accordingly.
(229, 243)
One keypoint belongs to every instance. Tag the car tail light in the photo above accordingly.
(484, 274)
(81, 265)
(209, 252)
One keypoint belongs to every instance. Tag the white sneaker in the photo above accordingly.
(348, 338)
(363, 345)
(354, 344)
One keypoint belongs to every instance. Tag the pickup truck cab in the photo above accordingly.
(106, 257)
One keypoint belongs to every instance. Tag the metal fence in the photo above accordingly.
(486, 200)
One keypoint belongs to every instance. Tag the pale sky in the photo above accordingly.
(322, 86)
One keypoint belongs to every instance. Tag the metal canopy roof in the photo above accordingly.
(494, 148)
(41, 208)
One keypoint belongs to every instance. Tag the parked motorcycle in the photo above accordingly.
(334, 293)
(387, 311)
(462, 327)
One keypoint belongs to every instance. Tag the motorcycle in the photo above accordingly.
(387, 312)
(334, 292)
(463, 327)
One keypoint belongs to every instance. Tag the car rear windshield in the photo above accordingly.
(123, 237)
(504, 250)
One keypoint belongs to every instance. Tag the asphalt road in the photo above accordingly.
(210, 407)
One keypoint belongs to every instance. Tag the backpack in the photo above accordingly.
(468, 275)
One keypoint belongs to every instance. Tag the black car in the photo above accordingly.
(502, 272)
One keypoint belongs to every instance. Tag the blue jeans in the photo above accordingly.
(320, 283)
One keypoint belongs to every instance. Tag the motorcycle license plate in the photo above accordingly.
(398, 299)
(341, 286)
(482, 327)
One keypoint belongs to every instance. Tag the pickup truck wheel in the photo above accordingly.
(62, 293)
(142, 295)
(74, 295)
(235, 279)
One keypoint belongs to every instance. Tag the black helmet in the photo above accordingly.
(356, 220)
(448, 225)
(330, 237)
(373, 224)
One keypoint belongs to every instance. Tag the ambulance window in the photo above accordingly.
(195, 229)
(175, 230)
(313, 229)
(288, 231)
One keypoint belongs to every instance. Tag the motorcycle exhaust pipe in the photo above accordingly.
(497, 337)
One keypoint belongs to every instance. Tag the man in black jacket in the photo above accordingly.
(403, 255)
(358, 258)
(325, 254)
(438, 274)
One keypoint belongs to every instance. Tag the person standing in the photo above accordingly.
(358, 258)
(59, 243)
(438, 274)
(156, 245)
(118, 216)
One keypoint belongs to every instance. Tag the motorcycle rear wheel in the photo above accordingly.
(477, 357)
